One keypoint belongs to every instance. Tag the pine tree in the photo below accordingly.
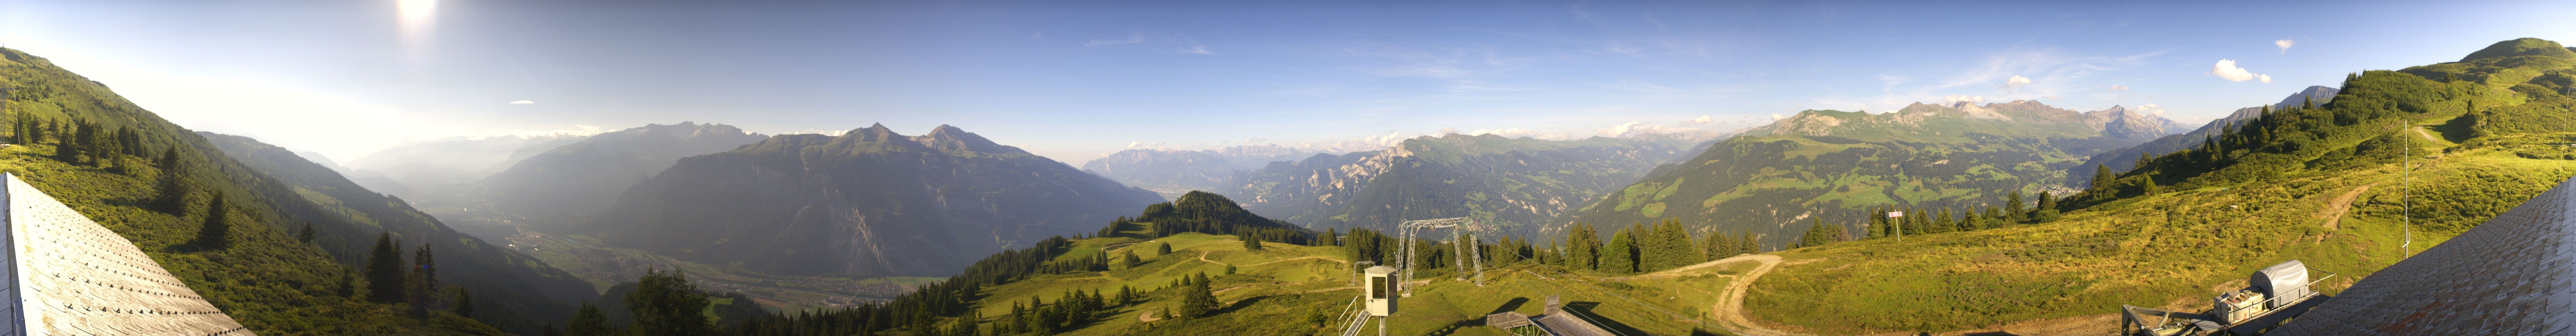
(1127, 259)
(385, 271)
(2046, 203)
(2101, 178)
(305, 235)
(1749, 244)
(1620, 255)
(1583, 247)
(464, 303)
(217, 232)
(1162, 249)
(2014, 210)
(1196, 299)
(1941, 222)
(1717, 246)
(1251, 241)
(424, 279)
(1332, 237)
(589, 322)
(172, 187)
(665, 304)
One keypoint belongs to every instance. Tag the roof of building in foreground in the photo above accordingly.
(2509, 276)
(68, 276)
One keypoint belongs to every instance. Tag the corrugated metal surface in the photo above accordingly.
(2508, 276)
(74, 277)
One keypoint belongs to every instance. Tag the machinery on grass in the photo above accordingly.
(2272, 295)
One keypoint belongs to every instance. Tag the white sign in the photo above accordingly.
(1896, 214)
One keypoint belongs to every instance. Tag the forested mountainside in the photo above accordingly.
(2329, 186)
(161, 186)
(2126, 158)
(867, 203)
(1834, 166)
(578, 180)
(1513, 185)
(1174, 172)
(523, 291)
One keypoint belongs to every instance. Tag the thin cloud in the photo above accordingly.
(2284, 44)
(1701, 120)
(523, 102)
(1197, 50)
(1131, 39)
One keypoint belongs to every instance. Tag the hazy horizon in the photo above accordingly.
(1075, 81)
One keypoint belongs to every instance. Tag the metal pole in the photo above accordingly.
(2405, 197)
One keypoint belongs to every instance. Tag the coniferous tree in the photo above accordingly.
(665, 304)
(1717, 246)
(1196, 299)
(1583, 247)
(589, 322)
(1162, 249)
(1941, 222)
(464, 303)
(1332, 237)
(1251, 242)
(385, 271)
(1620, 255)
(1749, 244)
(348, 285)
(1127, 259)
(172, 187)
(2014, 209)
(2101, 178)
(424, 279)
(216, 233)
(306, 234)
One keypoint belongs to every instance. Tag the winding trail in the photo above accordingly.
(2333, 213)
(1730, 304)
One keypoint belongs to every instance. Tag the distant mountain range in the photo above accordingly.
(1174, 172)
(1830, 165)
(445, 170)
(1515, 185)
(577, 180)
(2125, 158)
(866, 203)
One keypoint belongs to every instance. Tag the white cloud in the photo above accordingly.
(2014, 83)
(1963, 98)
(2284, 44)
(2151, 109)
(2227, 69)
(1131, 39)
(1519, 132)
(1777, 116)
(523, 102)
(1144, 145)
(1700, 120)
(1197, 50)
(2117, 87)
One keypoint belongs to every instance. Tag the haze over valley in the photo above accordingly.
(453, 167)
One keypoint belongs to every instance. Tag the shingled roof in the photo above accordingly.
(2509, 276)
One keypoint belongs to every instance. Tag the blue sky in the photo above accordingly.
(1076, 80)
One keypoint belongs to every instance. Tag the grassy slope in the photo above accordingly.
(1771, 185)
(1275, 289)
(267, 281)
(2176, 248)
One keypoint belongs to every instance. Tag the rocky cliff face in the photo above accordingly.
(867, 203)
(575, 181)
(1514, 185)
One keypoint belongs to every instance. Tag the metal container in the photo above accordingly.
(2287, 281)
